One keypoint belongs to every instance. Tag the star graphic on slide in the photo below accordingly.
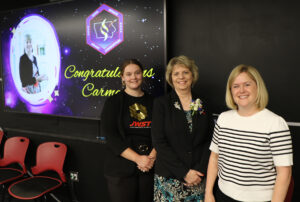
(13, 30)
(56, 93)
(50, 99)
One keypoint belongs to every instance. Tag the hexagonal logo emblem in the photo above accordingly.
(104, 29)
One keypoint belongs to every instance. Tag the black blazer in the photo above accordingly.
(111, 127)
(178, 151)
(26, 70)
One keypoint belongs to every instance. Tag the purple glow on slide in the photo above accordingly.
(46, 49)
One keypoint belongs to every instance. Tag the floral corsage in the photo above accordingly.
(196, 105)
(177, 105)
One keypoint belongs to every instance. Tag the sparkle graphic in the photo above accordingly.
(67, 51)
(13, 30)
(56, 93)
(50, 99)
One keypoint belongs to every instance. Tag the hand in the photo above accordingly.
(193, 177)
(26, 90)
(152, 154)
(41, 78)
(144, 163)
(152, 158)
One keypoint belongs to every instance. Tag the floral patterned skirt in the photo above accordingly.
(169, 190)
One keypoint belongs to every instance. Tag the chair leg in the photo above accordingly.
(38, 199)
(2, 192)
(41, 199)
(9, 198)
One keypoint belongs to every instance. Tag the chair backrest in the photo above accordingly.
(289, 194)
(50, 156)
(14, 151)
(1, 135)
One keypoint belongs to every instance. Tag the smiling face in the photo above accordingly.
(132, 77)
(182, 77)
(28, 46)
(244, 93)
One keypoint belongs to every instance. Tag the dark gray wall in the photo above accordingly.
(218, 35)
(222, 34)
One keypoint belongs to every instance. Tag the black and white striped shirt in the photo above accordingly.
(249, 148)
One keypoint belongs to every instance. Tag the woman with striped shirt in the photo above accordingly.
(251, 149)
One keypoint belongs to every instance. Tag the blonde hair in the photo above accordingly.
(28, 37)
(185, 61)
(262, 96)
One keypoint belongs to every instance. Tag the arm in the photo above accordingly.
(205, 154)
(143, 162)
(280, 137)
(202, 165)
(212, 173)
(108, 126)
(165, 152)
(152, 156)
(282, 183)
(41, 78)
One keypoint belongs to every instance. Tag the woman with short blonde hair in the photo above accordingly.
(262, 93)
(185, 61)
(251, 148)
(181, 132)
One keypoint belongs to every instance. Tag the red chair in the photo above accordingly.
(12, 165)
(50, 156)
(289, 195)
(1, 135)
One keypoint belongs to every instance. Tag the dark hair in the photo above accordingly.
(128, 62)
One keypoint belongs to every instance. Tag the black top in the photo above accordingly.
(137, 116)
(178, 149)
(26, 70)
(125, 122)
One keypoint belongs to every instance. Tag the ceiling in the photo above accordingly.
(15, 4)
